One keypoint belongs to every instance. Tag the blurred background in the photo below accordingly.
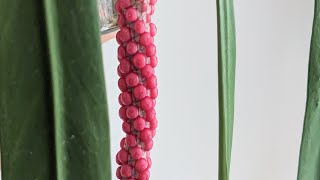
(273, 40)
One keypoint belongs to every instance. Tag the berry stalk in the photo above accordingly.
(138, 85)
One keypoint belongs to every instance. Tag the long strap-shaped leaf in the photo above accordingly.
(226, 65)
(53, 111)
(309, 163)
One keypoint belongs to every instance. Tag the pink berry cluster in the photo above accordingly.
(138, 85)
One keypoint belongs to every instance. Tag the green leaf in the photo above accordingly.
(53, 111)
(309, 163)
(226, 74)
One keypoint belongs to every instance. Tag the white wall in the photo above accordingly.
(273, 43)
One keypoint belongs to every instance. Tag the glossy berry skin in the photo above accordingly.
(138, 85)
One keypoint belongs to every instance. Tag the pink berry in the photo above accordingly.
(139, 60)
(152, 82)
(145, 39)
(124, 3)
(131, 14)
(141, 165)
(118, 38)
(123, 143)
(153, 2)
(121, 52)
(123, 156)
(147, 71)
(153, 124)
(126, 127)
(126, 98)
(151, 50)
(153, 61)
(118, 161)
(119, 72)
(153, 29)
(139, 124)
(122, 113)
(132, 112)
(131, 140)
(118, 174)
(119, 100)
(154, 93)
(132, 79)
(150, 115)
(145, 135)
(139, 27)
(146, 103)
(126, 171)
(118, 8)
(122, 84)
(125, 34)
(125, 66)
(148, 145)
(136, 152)
(145, 175)
(121, 21)
(132, 48)
(139, 92)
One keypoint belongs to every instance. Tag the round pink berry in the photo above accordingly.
(122, 84)
(148, 145)
(123, 156)
(139, 92)
(149, 162)
(145, 175)
(125, 66)
(132, 48)
(126, 98)
(146, 103)
(153, 124)
(154, 93)
(147, 71)
(125, 34)
(122, 113)
(118, 161)
(141, 165)
(153, 61)
(153, 2)
(118, 174)
(139, 60)
(152, 82)
(139, 27)
(153, 29)
(119, 72)
(126, 127)
(151, 50)
(139, 124)
(150, 115)
(131, 14)
(121, 52)
(124, 4)
(132, 79)
(118, 38)
(145, 39)
(136, 152)
(121, 21)
(145, 135)
(152, 9)
(131, 140)
(126, 171)
(132, 112)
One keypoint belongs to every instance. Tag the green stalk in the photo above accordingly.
(309, 163)
(226, 76)
(53, 110)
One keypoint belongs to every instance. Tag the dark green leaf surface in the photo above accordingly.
(226, 65)
(309, 163)
(53, 111)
